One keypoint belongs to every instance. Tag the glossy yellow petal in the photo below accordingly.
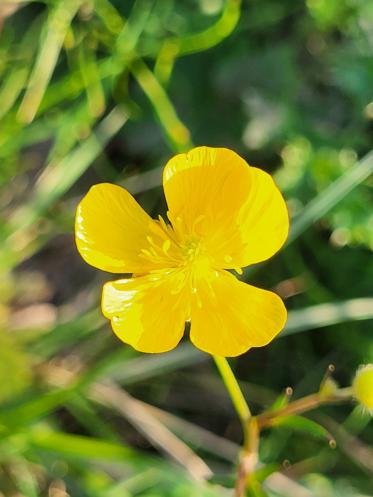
(148, 312)
(263, 220)
(205, 189)
(115, 234)
(237, 210)
(229, 317)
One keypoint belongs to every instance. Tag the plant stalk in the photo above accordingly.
(234, 390)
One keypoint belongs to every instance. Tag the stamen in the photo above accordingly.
(146, 252)
(180, 283)
(212, 293)
(163, 223)
(150, 240)
(166, 246)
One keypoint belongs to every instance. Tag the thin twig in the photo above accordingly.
(304, 404)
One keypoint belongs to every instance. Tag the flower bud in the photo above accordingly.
(362, 386)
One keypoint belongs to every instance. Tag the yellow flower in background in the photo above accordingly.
(362, 386)
(223, 215)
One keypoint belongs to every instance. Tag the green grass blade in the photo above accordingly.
(175, 130)
(57, 25)
(56, 180)
(145, 367)
(80, 446)
(321, 315)
(214, 34)
(29, 410)
(330, 197)
(133, 27)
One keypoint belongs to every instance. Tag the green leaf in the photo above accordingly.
(26, 411)
(15, 368)
(303, 425)
(67, 333)
(280, 402)
(86, 414)
(57, 179)
(52, 39)
(262, 473)
(79, 446)
(144, 367)
(321, 315)
(330, 197)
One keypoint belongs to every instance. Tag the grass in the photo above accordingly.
(108, 91)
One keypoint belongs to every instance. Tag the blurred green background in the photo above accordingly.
(102, 90)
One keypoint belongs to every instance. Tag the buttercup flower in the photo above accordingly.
(362, 386)
(223, 215)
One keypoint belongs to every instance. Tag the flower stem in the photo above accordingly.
(248, 456)
(248, 459)
(233, 389)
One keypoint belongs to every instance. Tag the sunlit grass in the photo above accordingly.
(108, 91)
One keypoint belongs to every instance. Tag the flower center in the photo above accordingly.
(195, 257)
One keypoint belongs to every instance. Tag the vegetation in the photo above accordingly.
(106, 90)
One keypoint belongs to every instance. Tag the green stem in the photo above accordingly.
(233, 389)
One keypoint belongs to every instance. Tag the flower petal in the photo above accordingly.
(114, 233)
(205, 188)
(238, 210)
(148, 312)
(263, 220)
(229, 317)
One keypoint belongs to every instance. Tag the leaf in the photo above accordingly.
(255, 489)
(281, 401)
(262, 473)
(127, 487)
(79, 446)
(144, 367)
(67, 333)
(303, 425)
(29, 410)
(15, 368)
(331, 196)
(216, 33)
(56, 179)
(321, 315)
(55, 31)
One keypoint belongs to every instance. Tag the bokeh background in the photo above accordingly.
(107, 90)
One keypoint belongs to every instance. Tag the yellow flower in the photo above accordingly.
(362, 386)
(223, 215)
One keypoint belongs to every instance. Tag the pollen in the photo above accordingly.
(195, 256)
